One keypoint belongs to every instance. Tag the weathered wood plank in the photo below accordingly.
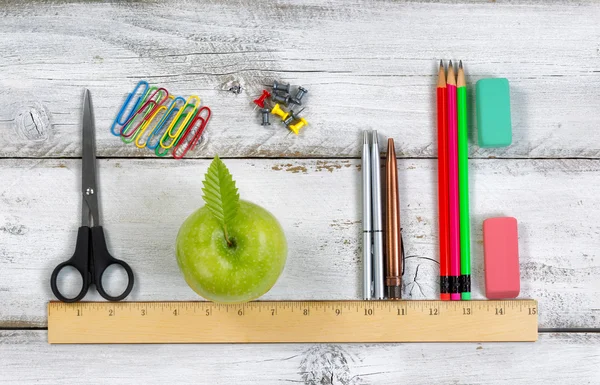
(318, 203)
(562, 358)
(366, 65)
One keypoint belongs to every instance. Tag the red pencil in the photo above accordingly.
(443, 186)
(453, 185)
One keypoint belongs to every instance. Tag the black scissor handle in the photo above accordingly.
(80, 261)
(102, 260)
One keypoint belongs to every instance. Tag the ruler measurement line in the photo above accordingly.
(292, 321)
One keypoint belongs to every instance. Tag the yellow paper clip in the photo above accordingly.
(299, 124)
(279, 112)
(147, 123)
(190, 110)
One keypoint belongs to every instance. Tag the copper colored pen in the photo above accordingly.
(393, 275)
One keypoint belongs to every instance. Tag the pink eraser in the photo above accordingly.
(501, 258)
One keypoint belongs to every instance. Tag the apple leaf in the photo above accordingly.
(220, 194)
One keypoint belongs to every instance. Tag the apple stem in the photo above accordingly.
(229, 242)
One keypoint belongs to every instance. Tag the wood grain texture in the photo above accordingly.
(143, 203)
(366, 65)
(574, 359)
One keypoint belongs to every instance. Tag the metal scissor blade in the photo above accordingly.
(89, 188)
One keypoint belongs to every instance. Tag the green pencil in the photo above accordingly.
(463, 186)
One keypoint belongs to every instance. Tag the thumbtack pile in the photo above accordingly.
(283, 104)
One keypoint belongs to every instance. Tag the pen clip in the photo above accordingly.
(402, 251)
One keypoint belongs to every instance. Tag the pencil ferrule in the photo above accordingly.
(454, 284)
(444, 284)
(465, 283)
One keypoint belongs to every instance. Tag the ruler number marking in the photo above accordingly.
(532, 311)
(516, 311)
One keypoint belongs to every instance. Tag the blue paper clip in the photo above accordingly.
(171, 112)
(120, 119)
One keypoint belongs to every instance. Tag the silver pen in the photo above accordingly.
(367, 233)
(377, 227)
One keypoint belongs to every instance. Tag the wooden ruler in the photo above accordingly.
(292, 321)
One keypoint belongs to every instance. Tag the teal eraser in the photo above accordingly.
(492, 98)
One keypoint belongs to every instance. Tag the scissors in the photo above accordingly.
(91, 257)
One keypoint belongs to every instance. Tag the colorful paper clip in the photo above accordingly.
(127, 126)
(148, 123)
(184, 144)
(148, 109)
(121, 119)
(181, 121)
(164, 123)
(146, 119)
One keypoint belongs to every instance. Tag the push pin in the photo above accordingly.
(281, 87)
(265, 116)
(278, 98)
(236, 88)
(261, 100)
(293, 116)
(295, 128)
(299, 95)
(279, 112)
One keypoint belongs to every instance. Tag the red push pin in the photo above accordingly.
(261, 100)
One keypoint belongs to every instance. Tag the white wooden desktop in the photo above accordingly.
(367, 65)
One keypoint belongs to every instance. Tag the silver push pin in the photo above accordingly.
(297, 99)
(265, 116)
(281, 98)
(281, 87)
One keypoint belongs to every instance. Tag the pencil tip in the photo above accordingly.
(460, 64)
(450, 63)
(441, 64)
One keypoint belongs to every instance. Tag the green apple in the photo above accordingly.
(239, 266)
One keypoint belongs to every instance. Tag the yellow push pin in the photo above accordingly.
(299, 124)
(279, 112)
